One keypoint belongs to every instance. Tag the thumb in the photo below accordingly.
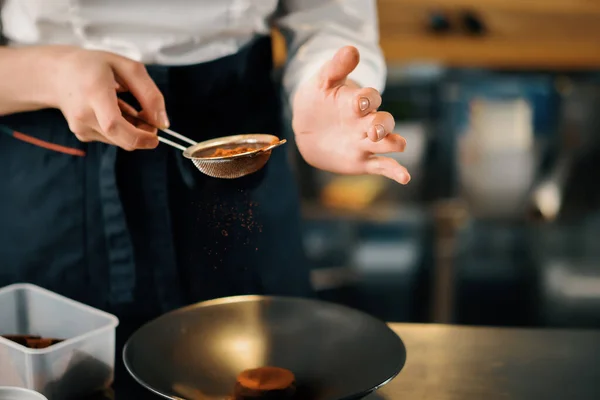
(335, 71)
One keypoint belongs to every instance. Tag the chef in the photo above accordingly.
(93, 208)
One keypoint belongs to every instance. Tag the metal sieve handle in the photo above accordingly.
(176, 135)
(130, 111)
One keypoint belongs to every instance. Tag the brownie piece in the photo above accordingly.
(32, 341)
(268, 383)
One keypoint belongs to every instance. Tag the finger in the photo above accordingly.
(121, 87)
(135, 118)
(115, 127)
(388, 167)
(135, 77)
(90, 135)
(95, 136)
(366, 100)
(378, 125)
(392, 143)
(138, 123)
(142, 124)
(82, 122)
(127, 108)
(335, 71)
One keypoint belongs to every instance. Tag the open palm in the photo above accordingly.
(338, 127)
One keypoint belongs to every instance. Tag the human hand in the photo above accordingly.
(338, 127)
(85, 86)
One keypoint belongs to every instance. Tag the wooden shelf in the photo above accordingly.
(492, 53)
(561, 7)
(546, 34)
(522, 34)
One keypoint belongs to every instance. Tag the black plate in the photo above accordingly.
(195, 353)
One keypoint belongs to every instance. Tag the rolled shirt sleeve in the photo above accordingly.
(316, 29)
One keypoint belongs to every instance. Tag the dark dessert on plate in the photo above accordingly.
(270, 383)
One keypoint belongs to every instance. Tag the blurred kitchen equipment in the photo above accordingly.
(497, 158)
(388, 259)
(495, 127)
(79, 365)
(14, 393)
(569, 293)
(353, 193)
(493, 274)
(547, 194)
(335, 352)
(227, 166)
(567, 258)
(578, 129)
(449, 218)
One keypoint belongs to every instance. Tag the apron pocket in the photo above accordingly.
(42, 204)
(42, 143)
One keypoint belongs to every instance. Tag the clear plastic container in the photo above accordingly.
(13, 393)
(82, 363)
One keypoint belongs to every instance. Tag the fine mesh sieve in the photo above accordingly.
(224, 167)
(236, 165)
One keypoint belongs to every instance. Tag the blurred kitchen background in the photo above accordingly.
(499, 101)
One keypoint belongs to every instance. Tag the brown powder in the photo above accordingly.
(234, 224)
(232, 152)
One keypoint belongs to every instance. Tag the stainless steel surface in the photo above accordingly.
(14, 393)
(334, 351)
(471, 363)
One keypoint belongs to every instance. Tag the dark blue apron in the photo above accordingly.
(140, 233)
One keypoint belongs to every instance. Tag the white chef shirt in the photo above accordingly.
(179, 32)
